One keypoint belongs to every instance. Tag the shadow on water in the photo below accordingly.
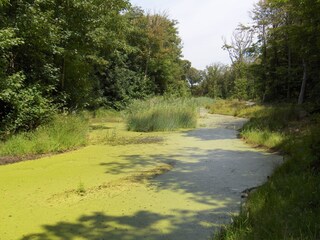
(212, 177)
(207, 134)
(141, 225)
(203, 172)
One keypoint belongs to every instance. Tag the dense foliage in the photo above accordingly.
(82, 54)
(275, 58)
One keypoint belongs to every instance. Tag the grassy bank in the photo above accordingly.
(288, 205)
(162, 114)
(63, 133)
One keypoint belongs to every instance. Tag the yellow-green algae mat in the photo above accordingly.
(183, 187)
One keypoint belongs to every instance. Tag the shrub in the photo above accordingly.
(162, 114)
(23, 108)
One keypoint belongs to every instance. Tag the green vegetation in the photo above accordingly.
(203, 101)
(102, 115)
(63, 133)
(83, 56)
(81, 190)
(51, 59)
(234, 107)
(69, 131)
(287, 206)
(22, 107)
(114, 137)
(162, 114)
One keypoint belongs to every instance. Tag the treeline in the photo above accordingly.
(73, 54)
(276, 58)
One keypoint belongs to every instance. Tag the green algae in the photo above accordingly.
(122, 197)
(113, 187)
(29, 189)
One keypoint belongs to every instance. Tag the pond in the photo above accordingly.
(178, 185)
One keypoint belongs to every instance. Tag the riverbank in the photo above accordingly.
(287, 206)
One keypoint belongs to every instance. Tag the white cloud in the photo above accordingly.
(202, 24)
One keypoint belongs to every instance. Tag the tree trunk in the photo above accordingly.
(63, 72)
(264, 60)
(289, 73)
(289, 80)
(146, 70)
(304, 83)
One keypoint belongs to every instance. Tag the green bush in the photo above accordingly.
(22, 108)
(162, 114)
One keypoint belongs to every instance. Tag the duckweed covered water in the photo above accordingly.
(181, 187)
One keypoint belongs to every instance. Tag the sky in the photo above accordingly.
(202, 25)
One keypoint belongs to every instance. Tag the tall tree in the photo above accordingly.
(241, 51)
(288, 49)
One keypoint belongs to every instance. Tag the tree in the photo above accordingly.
(217, 81)
(85, 54)
(194, 77)
(240, 47)
(158, 50)
(21, 107)
(288, 48)
(242, 55)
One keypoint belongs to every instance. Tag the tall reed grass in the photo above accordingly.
(63, 133)
(162, 114)
(102, 115)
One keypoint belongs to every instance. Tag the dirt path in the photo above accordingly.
(202, 174)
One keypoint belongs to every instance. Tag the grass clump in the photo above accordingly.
(103, 115)
(162, 114)
(234, 108)
(203, 101)
(63, 133)
(115, 140)
(288, 205)
(81, 190)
